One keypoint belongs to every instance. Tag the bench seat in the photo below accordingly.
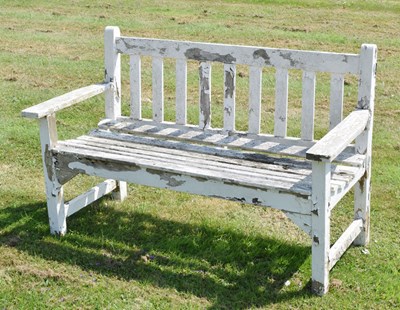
(174, 162)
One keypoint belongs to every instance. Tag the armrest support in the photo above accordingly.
(58, 103)
(336, 140)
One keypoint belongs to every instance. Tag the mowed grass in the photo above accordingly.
(160, 249)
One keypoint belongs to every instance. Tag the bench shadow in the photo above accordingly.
(230, 269)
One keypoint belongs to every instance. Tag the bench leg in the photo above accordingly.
(362, 208)
(121, 192)
(321, 175)
(56, 207)
(54, 190)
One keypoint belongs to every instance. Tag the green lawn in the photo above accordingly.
(160, 249)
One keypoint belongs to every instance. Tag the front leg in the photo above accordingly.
(321, 177)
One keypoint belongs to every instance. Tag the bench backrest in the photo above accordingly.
(283, 60)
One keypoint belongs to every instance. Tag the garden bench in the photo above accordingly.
(303, 177)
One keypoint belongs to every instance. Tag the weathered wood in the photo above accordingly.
(336, 140)
(114, 168)
(301, 220)
(281, 102)
(320, 217)
(344, 241)
(255, 80)
(336, 100)
(302, 177)
(261, 143)
(308, 106)
(90, 196)
(181, 91)
(366, 99)
(112, 62)
(285, 174)
(54, 190)
(337, 195)
(229, 96)
(136, 87)
(205, 95)
(255, 174)
(61, 102)
(158, 89)
(237, 54)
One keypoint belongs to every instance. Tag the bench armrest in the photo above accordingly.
(58, 103)
(336, 140)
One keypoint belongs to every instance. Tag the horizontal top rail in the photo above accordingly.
(238, 54)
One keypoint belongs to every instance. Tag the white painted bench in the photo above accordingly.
(300, 176)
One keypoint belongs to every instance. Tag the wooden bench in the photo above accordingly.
(300, 176)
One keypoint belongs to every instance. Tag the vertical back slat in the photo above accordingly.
(112, 60)
(255, 80)
(136, 87)
(336, 100)
(181, 91)
(229, 96)
(158, 89)
(205, 95)
(308, 106)
(281, 102)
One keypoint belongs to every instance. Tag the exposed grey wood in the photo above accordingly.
(320, 217)
(287, 174)
(336, 140)
(281, 102)
(366, 99)
(181, 91)
(112, 62)
(56, 104)
(255, 80)
(178, 181)
(205, 95)
(336, 100)
(229, 96)
(90, 196)
(236, 54)
(135, 87)
(285, 180)
(263, 143)
(344, 241)
(158, 89)
(308, 106)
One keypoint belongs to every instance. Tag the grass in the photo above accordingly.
(160, 249)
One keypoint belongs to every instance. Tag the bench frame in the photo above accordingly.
(357, 126)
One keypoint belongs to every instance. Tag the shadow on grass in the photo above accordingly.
(230, 269)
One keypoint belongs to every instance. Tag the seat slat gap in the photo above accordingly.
(229, 96)
(205, 95)
(181, 91)
(255, 82)
(281, 102)
(136, 87)
(308, 106)
(158, 89)
(336, 100)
